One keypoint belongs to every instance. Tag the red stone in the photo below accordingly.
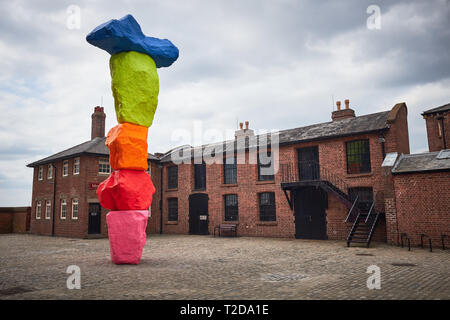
(126, 232)
(126, 190)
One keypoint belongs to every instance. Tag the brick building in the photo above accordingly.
(345, 179)
(64, 199)
(438, 127)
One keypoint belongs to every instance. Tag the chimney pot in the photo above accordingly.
(241, 125)
(338, 105)
(347, 102)
(246, 125)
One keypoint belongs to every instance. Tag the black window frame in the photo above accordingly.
(267, 177)
(199, 176)
(358, 152)
(267, 212)
(172, 209)
(231, 207)
(230, 171)
(172, 177)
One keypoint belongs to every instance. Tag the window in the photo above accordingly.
(267, 206)
(200, 176)
(173, 209)
(172, 177)
(229, 171)
(365, 197)
(49, 171)
(38, 210)
(265, 170)
(358, 156)
(231, 207)
(63, 209)
(103, 166)
(48, 208)
(75, 209)
(76, 166)
(41, 173)
(65, 170)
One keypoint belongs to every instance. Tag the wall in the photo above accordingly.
(332, 155)
(14, 219)
(422, 206)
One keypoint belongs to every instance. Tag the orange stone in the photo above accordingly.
(127, 145)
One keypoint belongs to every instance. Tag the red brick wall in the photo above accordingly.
(69, 188)
(153, 225)
(332, 155)
(435, 140)
(6, 219)
(422, 205)
(397, 137)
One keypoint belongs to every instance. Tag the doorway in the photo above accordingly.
(308, 163)
(95, 214)
(310, 204)
(198, 213)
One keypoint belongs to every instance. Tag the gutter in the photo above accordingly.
(161, 203)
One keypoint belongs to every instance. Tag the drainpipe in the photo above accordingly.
(443, 133)
(161, 202)
(54, 199)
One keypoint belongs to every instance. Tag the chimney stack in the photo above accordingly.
(340, 114)
(98, 123)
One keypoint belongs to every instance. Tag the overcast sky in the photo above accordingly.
(277, 64)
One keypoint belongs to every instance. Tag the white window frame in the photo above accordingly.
(41, 173)
(76, 164)
(63, 204)
(38, 209)
(75, 202)
(65, 168)
(103, 162)
(49, 172)
(48, 209)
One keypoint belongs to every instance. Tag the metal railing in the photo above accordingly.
(310, 171)
(377, 206)
(350, 215)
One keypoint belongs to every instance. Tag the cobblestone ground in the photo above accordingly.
(203, 267)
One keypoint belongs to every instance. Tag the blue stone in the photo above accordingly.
(125, 34)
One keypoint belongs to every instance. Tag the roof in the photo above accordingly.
(443, 108)
(321, 131)
(95, 146)
(422, 162)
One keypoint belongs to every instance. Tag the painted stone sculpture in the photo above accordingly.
(128, 191)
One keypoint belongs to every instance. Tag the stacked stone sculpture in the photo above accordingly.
(128, 191)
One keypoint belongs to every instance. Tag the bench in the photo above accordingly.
(232, 228)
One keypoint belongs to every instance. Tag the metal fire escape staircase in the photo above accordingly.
(364, 218)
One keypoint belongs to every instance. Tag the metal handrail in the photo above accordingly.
(351, 209)
(289, 174)
(378, 198)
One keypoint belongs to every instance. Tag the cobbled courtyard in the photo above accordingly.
(203, 267)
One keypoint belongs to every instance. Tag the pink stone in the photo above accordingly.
(126, 232)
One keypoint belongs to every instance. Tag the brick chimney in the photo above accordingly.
(243, 132)
(98, 123)
(340, 114)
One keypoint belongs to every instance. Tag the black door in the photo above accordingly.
(308, 163)
(198, 213)
(309, 209)
(95, 215)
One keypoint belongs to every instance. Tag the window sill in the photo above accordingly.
(199, 189)
(229, 185)
(231, 222)
(267, 223)
(266, 182)
(171, 222)
(358, 175)
(174, 189)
